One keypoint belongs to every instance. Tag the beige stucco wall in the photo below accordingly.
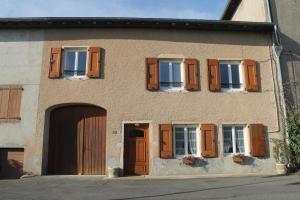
(20, 63)
(122, 90)
(252, 10)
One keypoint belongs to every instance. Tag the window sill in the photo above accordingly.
(232, 90)
(234, 154)
(172, 89)
(180, 157)
(75, 78)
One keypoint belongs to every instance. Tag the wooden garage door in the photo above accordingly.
(77, 140)
(11, 163)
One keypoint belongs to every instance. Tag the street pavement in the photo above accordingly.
(95, 187)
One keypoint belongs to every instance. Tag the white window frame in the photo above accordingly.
(246, 139)
(170, 88)
(186, 140)
(76, 50)
(231, 89)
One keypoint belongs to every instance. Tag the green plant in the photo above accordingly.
(293, 128)
(280, 151)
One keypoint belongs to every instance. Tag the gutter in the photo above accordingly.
(148, 23)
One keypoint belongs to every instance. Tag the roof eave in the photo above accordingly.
(151, 23)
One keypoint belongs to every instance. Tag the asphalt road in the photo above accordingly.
(91, 187)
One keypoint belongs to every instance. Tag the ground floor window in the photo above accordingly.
(234, 139)
(185, 140)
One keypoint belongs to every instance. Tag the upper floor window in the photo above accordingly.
(231, 78)
(75, 62)
(185, 140)
(234, 139)
(170, 75)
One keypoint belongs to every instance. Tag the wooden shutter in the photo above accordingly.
(191, 74)
(213, 72)
(55, 63)
(257, 140)
(10, 103)
(208, 143)
(165, 141)
(94, 62)
(152, 74)
(251, 82)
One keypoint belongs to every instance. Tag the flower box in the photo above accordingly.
(188, 160)
(239, 158)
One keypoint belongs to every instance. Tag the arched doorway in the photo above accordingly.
(77, 140)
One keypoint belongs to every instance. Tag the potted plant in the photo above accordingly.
(188, 160)
(280, 153)
(238, 158)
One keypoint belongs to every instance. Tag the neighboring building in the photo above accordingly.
(285, 14)
(140, 94)
(20, 68)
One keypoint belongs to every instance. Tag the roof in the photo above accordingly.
(230, 9)
(153, 23)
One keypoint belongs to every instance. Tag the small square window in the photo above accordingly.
(170, 75)
(234, 140)
(75, 62)
(185, 140)
(231, 79)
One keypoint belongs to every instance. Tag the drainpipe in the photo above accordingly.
(277, 50)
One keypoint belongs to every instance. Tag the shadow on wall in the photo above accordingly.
(290, 57)
(290, 68)
(10, 168)
(186, 36)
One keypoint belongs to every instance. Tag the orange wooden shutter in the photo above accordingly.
(257, 140)
(165, 141)
(152, 74)
(14, 104)
(213, 72)
(191, 75)
(208, 143)
(10, 103)
(4, 98)
(94, 62)
(55, 63)
(251, 82)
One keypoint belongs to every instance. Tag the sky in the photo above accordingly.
(189, 9)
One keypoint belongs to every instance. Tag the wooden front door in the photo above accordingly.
(77, 140)
(136, 157)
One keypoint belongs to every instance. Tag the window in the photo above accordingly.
(10, 103)
(231, 78)
(170, 75)
(234, 140)
(75, 62)
(185, 140)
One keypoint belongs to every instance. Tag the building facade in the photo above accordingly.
(150, 97)
(21, 60)
(286, 38)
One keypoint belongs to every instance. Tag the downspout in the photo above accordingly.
(277, 50)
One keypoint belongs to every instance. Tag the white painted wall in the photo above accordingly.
(252, 10)
(20, 63)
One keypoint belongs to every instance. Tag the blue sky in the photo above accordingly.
(191, 9)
